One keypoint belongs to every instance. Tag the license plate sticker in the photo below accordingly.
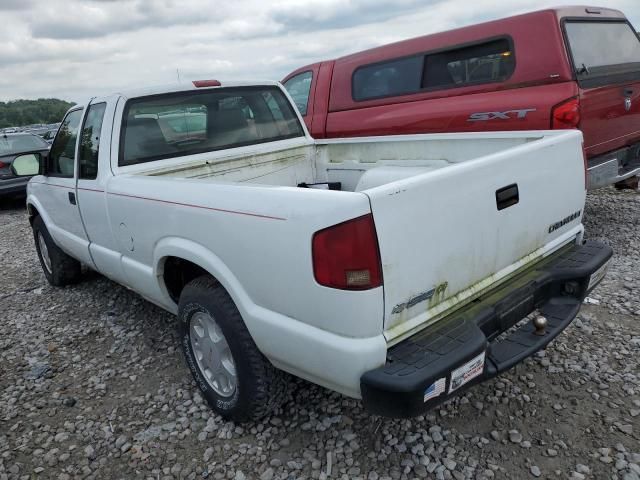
(598, 275)
(435, 389)
(467, 372)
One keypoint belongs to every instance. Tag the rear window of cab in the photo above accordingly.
(483, 62)
(186, 123)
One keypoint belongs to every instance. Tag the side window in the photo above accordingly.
(488, 62)
(397, 77)
(482, 63)
(273, 106)
(183, 123)
(603, 48)
(90, 142)
(278, 114)
(62, 153)
(299, 88)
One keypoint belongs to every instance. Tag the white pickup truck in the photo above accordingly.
(394, 269)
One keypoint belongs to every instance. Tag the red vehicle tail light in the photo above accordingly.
(346, 256)
(566, 114)
(3, 165)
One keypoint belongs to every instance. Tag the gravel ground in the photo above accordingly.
(93, 385)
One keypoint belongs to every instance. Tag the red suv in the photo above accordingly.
(574, 67)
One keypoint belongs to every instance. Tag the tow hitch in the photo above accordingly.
(540, 324)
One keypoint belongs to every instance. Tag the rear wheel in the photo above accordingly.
(237, 381)
(59, 268)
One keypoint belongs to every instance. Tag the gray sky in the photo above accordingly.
(74, 49)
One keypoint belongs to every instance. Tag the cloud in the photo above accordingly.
(75, 49)
(16, 4)
(108, 17)
(25, 51)
(330, 14)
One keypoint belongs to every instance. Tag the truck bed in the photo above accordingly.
(345, 161)
(456, 236)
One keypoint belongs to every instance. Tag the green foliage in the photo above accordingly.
(17, 113)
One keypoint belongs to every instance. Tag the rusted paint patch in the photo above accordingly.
(437, 310)
(230, 163)
(434, 296)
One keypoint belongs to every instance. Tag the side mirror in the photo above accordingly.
(28, 165)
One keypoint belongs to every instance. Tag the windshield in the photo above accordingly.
(20, 143)
(186, 123)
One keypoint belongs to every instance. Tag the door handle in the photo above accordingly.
(72, 198)
(507, 196)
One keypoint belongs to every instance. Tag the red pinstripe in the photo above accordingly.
(169, 202)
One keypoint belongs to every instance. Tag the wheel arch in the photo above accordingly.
(178, 261)
(35, 209)
(32, 212)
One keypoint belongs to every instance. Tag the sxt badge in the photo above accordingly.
(509, 114)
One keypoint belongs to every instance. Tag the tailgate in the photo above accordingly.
(448, 235)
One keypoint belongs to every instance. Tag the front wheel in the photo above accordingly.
(237, 381)
(59, 268)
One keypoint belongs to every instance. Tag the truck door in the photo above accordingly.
(59, 196)
(93, 167)
(606, 59)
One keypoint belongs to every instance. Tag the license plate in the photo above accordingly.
(598, 275)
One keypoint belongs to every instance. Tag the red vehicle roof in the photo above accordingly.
(480, 30)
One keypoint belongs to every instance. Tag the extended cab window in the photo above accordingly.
(299, 88)
(186, 123)
(602, 48)
(90, 141)
(490, 61)
(63, 151)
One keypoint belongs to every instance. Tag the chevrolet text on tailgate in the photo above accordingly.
(569, 67)
(371, 266)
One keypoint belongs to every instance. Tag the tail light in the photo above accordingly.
(346, 256)
(566, 114)
(3, 165)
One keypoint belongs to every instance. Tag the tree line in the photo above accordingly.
(17, 113)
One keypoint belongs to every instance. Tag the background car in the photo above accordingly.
(49, 135)
(12, 145)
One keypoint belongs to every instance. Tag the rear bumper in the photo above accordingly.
(482, 340)
(613, 167)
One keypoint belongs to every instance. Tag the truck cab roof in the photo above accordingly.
(186, 86)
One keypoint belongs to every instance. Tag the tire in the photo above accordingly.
(259, 387)
(60, 269)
